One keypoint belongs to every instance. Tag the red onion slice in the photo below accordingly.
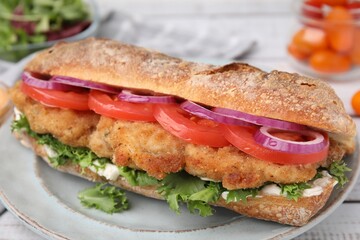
(128, 96)
(203, 112)
(262, 121)
(86, 84)
(264, 137)
(29, 79)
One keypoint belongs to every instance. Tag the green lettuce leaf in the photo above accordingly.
(294, 191)
(137, 177)
(105, 198)
(338, 170)
(196, 193)
(200, 207)
(241, 195)
(22, 124)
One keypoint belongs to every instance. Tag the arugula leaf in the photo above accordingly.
(294, 191)
(105, 198)
(338, 170)
(196, 193)
(136, 177)
(241, 194)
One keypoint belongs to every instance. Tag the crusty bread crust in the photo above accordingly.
(271, 208)
(237, 86)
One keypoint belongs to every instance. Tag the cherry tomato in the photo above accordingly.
(355, 51)
(308, 40)
(243, 139)
(105, 105)
(328, 61)
(297, 53)
(355, 102)
(55, 98)
(189, 128)
(340, 28)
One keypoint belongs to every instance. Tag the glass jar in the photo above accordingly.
(326, 41)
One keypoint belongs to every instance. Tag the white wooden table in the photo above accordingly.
(269, 22)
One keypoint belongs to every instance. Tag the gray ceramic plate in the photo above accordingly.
(45, 200)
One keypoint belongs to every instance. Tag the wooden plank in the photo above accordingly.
(199, 7)
(343, 224)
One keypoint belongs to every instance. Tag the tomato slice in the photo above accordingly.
(55, 98)
(243, 139)
(103, 104)
(189, 128)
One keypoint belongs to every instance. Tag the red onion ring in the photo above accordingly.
(203, 112)
(262, 121)
(128, 96)
(86, 84)
(46, 84)
(264, 137)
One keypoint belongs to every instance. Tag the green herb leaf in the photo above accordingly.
(294, 191)
(105, 198)
(338, 170)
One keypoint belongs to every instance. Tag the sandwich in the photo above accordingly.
(265, 145)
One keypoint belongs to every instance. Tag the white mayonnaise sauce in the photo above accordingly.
(271, 189)
(110, 172)
(49, 151)
(317, 188)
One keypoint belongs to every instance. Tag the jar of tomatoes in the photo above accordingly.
(326, 41)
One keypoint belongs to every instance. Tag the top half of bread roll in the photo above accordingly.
(238, 86)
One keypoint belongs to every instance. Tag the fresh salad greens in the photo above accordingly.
(137, 177)
(241, 194)
(294, 191)
(177, 188)
(338, 170)
(196, 193)
(105, 198)
(24, 22)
